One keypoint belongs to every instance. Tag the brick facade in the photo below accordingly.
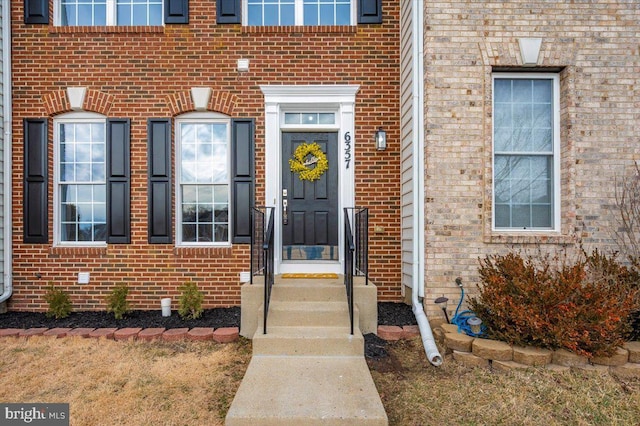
(147, 72)
(593, 46)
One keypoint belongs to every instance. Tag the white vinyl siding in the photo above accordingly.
(408, 143)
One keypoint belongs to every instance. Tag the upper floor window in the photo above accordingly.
(526, 156)
(299, 12)
(203, 181)
(81, 180)
(108, 12)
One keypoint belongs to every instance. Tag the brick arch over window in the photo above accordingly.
(222, 102)
(57, 102)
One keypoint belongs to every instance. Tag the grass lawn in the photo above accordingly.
(193, 383)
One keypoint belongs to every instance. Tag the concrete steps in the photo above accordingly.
(308, 369)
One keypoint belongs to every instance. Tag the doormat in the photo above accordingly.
(309, 276)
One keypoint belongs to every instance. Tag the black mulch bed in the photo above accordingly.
(388, 314)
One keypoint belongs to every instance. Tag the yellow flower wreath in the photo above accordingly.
(306, 155)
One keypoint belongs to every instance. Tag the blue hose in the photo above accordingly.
(460, 319)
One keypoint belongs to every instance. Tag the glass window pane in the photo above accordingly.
(221, 194)
(522, 115)
(205, 213)
(222, 233)
(291, 118)
(140, 14)
(189, 233)
(254, 15)
(100, 232)
(310, 15)
(542, 91)
(541, 216)
(502, 139)
(503, 116)
(327, 118)
(205, 232)
(522, 90)
(343, 14)
(326, 14)
(188, 213)
(287, 15)
(521, 140)
(221, 213)
(85, 14)
(542, 140)
(521, 216)
(503, 216)
(155, 14)
(502, 90)
(542, 117)
(205, 194)
(270, 15)
(123, 15)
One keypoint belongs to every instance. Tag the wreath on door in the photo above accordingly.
(305, 156)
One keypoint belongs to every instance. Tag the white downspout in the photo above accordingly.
(8, 139)
(417, 291)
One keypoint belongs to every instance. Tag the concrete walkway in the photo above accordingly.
(308, 369)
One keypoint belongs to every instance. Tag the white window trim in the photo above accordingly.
(556, 202)
(200, 117)
(299, 13)
(111, 13)
(72, 117)
(314, 98)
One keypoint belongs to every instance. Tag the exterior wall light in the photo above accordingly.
(381, 139)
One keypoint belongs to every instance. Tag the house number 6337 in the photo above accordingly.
(347, 148)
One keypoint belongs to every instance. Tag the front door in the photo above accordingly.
(310, 206)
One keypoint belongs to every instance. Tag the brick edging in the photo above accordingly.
(220, 335)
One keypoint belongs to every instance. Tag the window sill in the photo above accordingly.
(106, 29)
(205, 252)
(529, 237)
(306, 29)
(72, 251)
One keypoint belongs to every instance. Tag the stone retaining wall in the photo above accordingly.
(501, 356)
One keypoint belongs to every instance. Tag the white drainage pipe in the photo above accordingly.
(429, 343)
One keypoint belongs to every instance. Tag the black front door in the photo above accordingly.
(310, 208)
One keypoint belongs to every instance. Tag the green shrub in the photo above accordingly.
(59, 303)
(190, 302)
(582, 306)
(117, 301)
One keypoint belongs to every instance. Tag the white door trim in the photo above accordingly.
(339, 98)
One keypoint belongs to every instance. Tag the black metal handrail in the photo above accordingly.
(263, 253)
(356, 251)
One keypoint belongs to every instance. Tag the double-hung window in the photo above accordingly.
(202, 197)
(526, 158)
(108, 12)
(299, 12)
(80, 180)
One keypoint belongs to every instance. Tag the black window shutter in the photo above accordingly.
(36, 11)
(228, 12)
(159, 180)
(369, 11)
(36, 217)
(176, 11)
(118, 182)
(243, 170)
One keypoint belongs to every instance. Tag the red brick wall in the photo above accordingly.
(139, 73)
